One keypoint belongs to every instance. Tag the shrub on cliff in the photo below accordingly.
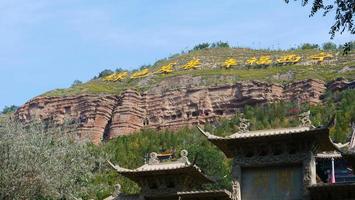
(9, 109)
(41, 162)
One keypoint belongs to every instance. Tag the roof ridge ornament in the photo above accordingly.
(184, 153)
(117, 190)
(244, 124)
(153, 158)
(305, 119)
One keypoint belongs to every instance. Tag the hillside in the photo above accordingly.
(198, 87)
(210, 71)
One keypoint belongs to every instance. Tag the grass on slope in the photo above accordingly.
(214, 75)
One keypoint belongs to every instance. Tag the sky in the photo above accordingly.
(47, 44)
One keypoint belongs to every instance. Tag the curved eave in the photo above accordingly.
(227, 144)
(189, 170)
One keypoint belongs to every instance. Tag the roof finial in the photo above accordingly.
(184, 153)
(153, 158)
(117, 190)
(305, 119)
(244, 124)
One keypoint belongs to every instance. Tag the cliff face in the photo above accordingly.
(108, 116)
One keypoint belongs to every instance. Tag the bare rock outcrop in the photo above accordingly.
(109, 116)
(92, 112)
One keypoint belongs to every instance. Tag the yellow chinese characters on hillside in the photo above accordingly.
(264, 60)
(167, 69)
(116, 76)
(289, 59)
(320, 57)
(251, 61)
(229, 63)
(193, 64)
(140, 74)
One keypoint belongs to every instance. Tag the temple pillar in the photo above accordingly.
(309, 173)
(236, 181)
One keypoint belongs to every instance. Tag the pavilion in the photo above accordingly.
(163, 178)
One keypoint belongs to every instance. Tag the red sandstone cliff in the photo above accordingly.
(108, 116)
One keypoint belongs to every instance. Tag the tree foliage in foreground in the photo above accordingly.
(344, 13)
(38, 162)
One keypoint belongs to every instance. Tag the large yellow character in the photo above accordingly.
(193, 64)
(229, 63)
(140, 74)
(116, 76)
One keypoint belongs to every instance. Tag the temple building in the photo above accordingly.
(288, 163)
(165, 178)
(281, 163)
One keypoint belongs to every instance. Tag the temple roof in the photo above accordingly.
(155, 167)
(321, 135)
(271, 132)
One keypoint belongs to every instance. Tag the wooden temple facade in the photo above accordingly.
(281, 163)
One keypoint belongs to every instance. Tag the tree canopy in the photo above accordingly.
(344, 13)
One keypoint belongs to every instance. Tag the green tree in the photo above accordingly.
(9, 109)
(204, 45)
(76, 83)
(40, 162)
(220, 44)
(329, 46)
(344, 13)
(105, 72)
(309, 46)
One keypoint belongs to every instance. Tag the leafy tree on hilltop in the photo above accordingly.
(309, 46)
(329, 46)
(76, 82)
(105, 72)
(9, 109)
(220, 44)
(204, 45)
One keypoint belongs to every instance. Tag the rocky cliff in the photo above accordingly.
(107, 116)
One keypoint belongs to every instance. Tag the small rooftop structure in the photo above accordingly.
(165, 178)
